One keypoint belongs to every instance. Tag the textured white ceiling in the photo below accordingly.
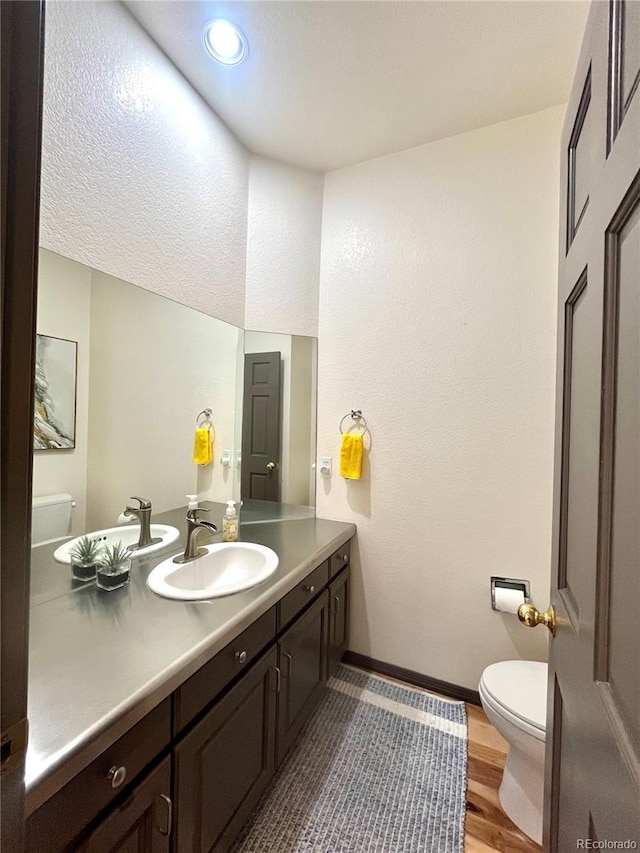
(328, 84)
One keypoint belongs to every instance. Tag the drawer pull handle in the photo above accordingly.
(311, 589)
(241, 657)
(290, 665)
(277, 671)
(116, 776)
(336, 605)
(169, 824)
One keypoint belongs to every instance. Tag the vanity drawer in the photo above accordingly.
(340, 559)
(303, 594)
(203, 687)
(57, 823)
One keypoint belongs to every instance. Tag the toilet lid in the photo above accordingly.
(519, 686)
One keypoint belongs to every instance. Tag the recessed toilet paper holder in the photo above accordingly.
(516, 584)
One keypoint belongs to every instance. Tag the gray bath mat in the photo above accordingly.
(379, 767)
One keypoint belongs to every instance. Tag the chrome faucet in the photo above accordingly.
(143, 514)
(194, 526)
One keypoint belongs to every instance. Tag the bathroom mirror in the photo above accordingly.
(146, 368)
(278, 394)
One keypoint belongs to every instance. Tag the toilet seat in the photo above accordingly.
(517, 691)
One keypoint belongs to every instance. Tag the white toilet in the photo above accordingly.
(514, 697)
(51, 518)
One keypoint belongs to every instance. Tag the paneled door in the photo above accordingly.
(593, 749)
(261, 427)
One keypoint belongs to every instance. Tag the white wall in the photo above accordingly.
(64, 304)
(140, 179)
(155, 365)
(302, 428)
(437, 318)
(283, 248)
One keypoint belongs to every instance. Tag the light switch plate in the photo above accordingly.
(325, 466)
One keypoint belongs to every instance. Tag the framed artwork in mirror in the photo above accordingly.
(54, 426)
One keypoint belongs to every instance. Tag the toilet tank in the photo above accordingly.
(51, 518)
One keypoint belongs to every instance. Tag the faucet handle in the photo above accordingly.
(194, 514)
(144, 503)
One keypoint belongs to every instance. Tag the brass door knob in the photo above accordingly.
(271, 466)
(530, 616)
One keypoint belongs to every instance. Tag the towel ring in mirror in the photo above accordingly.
(207, 422)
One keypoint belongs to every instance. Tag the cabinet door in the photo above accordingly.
(303, 665)
(224, 764)
(142, 822)
(338, 620)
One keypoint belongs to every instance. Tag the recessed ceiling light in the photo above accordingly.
(225, 42)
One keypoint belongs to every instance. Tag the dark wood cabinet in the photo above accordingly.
(142, 822)
(61, 821)
(234, 721)
(339, 591)
(201, 689)
(223, 765)
(340, 559)
(302, 659)
(302, 595)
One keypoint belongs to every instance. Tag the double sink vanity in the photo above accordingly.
(156, 724)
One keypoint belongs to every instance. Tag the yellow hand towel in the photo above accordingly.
(203, 446)
(351, 456)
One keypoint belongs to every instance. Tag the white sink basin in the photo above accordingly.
(128, 535)
(226, 568)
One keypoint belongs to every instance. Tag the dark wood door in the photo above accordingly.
(224, 764)
(303, 665)
(261, 427)
(142, 824)
(338, 620)
(593, 744)
(21, 55)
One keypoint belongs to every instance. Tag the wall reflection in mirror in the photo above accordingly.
(146, 366)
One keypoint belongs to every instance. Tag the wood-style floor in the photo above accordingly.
(487, 828)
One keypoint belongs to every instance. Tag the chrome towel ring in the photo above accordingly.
(208, 416)
(356, 415)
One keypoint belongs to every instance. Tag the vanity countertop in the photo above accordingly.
(99, 661)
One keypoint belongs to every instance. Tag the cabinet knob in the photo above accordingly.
(345, 558)
(116, 776)
(241, 657)
(311, 589)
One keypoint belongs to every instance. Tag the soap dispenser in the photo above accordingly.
(230, 523)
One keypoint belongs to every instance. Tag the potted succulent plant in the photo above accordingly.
(114, 568)
(85, 557)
